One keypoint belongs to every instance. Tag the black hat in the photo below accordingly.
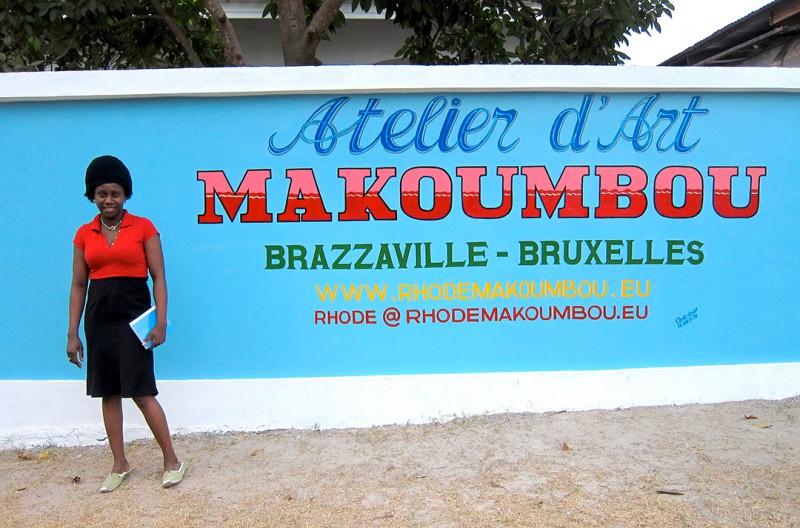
(107, 169)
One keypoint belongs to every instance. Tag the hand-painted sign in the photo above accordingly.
(359, 233)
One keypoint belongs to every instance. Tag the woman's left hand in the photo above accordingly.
(156, 337)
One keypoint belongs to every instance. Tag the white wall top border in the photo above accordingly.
(225, 82)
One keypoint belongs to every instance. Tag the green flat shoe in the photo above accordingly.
(113, 481)
(173, 478)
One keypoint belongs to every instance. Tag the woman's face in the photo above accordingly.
(109, 199)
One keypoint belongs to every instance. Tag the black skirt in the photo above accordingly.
(116, 361)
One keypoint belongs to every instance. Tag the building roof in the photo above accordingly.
(768, 27)
(244, 9)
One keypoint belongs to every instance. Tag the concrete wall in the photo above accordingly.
(247, 353)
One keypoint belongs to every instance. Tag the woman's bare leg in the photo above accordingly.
(157, 421)
(112, 419)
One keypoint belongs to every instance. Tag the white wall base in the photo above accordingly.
(58, 412)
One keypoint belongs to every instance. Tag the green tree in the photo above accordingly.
(102, 34)
(95, 34)
(481, 31)
(521, 31)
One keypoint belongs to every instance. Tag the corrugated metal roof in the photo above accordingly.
(750, 35)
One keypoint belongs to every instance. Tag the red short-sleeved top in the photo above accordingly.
(125, 257)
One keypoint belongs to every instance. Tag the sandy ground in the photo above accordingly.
(722, 465)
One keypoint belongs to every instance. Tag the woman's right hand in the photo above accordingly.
(75, 351)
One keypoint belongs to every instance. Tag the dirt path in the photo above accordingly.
(722, 465)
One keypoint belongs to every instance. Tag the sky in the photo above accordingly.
(692, 21)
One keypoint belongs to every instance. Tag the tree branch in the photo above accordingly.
(233, 51)
(292, 24)
(530, 15)
(324, 16)
(179, 34)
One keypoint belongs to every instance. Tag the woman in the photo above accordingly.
(113, 255)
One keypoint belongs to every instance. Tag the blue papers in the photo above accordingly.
(144, 323)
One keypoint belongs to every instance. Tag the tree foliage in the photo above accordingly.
(102, 34)
(481, 31)
(521, 31)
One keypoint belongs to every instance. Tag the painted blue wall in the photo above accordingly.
(234, 318)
